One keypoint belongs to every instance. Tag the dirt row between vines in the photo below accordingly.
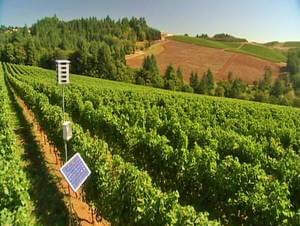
(81, 212)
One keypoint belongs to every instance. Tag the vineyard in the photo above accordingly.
(163, 158)
(14, 194)
(256, 50)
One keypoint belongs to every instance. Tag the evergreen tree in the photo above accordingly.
(293, 62)
(96, 47)
(179, 79)
(279, 88)
(149, 74)
(220, 91)
(187, 88)
(206, 85)
(106, 63)
(20, 54)
(238, 87)
(194, 81)
(266, 83)
(9, 53)
(31, 52)
(209, 80)
(170, 78)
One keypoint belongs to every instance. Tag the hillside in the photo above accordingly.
(201, 54)
(96, 46)
(284, 45)
(155, 153)
(253, 49)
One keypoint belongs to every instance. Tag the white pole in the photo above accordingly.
(63, 103)
(66, 150)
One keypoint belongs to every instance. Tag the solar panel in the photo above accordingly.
(75, 172)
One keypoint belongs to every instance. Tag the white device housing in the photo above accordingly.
(67, 131)
(62, 70)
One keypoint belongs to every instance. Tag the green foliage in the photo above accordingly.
(271, 44)
(232, 87)
(207, 82)
(15, 208)
(227, 38)
(202, 42)
(266, 83)
(96, 47)
(173, 80)
(121, 192)
(149, 74)
(220, 90)
(263, 52)
(292, 44)
(187, 88)
(259, 51)
(279, 88)
(295, 78)
(205, 85)
(293, 62)
(194, 80)
(237, 88)
(237, 160)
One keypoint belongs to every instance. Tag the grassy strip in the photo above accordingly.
(263, 52)
(292, 44)
(258, 51)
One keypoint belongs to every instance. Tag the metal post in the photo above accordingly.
(63, 82)
(63, 101)
(66, 151)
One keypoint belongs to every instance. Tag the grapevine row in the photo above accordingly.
(195, 170)
(15, 205)
(123, 194)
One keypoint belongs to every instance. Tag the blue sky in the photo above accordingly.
(256, 20)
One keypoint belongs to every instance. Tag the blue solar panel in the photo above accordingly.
(75, 171)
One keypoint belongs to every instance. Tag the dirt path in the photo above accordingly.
(81, 213)
(154, 49)
(221, 72)
(224, 68)
(241, 46)
(136, 54)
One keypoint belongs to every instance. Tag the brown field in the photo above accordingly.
(198, 59)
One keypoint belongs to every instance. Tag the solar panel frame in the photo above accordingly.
(75, 169)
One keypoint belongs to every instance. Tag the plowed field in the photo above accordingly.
(197, 58)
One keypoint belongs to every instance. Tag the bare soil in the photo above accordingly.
(199, 59)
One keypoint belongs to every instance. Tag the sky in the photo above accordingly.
(256, 20)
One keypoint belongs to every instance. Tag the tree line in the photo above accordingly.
(222, 37)
(284, 90)
(97, 47)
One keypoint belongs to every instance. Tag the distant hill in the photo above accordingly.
(257, 50)
(283, 46)
(199, 55)
(227, 38)
(292, 44)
